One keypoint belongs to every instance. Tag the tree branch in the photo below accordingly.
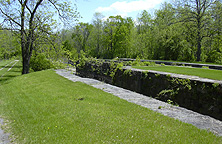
(10, 18)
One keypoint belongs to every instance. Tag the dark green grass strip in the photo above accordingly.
(44, 107)
(204, 73)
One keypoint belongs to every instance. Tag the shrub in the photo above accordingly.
(214, 57)
(40, 62)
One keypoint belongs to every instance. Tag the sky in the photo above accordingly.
(125, 8)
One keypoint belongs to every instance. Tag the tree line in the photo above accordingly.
(184, 30)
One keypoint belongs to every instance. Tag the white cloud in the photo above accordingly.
(125, 7)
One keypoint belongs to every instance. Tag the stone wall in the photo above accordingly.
(201, 95)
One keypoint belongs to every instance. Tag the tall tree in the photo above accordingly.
(32, 17)
(117, 31)
(196, 13)
(97, 33)
(144, 30)
(81, 35)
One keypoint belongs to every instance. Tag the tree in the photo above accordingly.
(32, 17)
(168, 34)
(81, 35)
(196, 14)
(217, 25)
(97, 34)
(144, 30)
(117, 31)
(214, 43)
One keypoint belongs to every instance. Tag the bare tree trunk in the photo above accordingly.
(26, 62)
(199, 49)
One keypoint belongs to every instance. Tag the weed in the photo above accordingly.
(215, 85)
(128, 72)
(205, 67)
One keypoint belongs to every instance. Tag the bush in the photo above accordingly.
(59, 64)
(214, 57)
(40, 62)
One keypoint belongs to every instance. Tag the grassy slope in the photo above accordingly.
(5, 74)
(43, 107)
(204, 73)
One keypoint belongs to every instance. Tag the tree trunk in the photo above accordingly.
(198, 9)
(199, 39)
(199, 51)
(26, 62)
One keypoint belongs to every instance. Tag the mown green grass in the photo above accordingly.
(204, 73)
(43, 107)
(4, 62)
(14, 72)
(195, 62)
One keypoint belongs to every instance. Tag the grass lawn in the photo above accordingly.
(195, 62)
(5, 74)
(43, 107)
(204, 73)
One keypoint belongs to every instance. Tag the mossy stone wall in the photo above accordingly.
(194, 94)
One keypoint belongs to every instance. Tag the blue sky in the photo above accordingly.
(125, 8)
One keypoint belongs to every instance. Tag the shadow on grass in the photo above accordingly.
(5, 78)
(7, 67)
(17, 70)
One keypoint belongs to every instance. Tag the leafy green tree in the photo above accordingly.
(214, 53)
(96, 40)
(167, 34)
(81, 36)
(117, 31)
(195, 14)
(145, 35)
(32, 17)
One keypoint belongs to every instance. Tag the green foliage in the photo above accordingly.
(145, 74)
(69, 51)
(58, 65)
(169, 101)
(128, 72)
(214, 56)
(183, 82)
(114, 67)
(215, 85)
(136, 62)
(170, 95)
(168, 76)
(34, 23)
(176, 85)
(9, 45)
(82, 60)
(205, 67)
(157, 75)
(40, 62)
(165, 36)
